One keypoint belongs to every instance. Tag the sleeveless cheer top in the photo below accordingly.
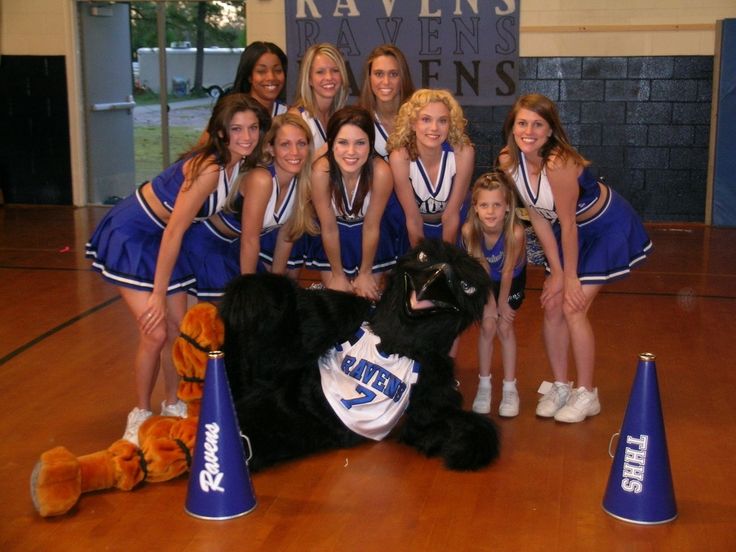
(432, 197)
(166, 187)
(279, 108)
(381, 138)
(319, 136)
(347, 214)
(272, 218)
(496, 256)
(543, 202)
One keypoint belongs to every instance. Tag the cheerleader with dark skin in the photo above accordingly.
(262, 75)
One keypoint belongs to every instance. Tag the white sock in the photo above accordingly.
(484, 382)
(509, 385)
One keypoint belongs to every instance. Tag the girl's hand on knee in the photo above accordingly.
(552, 287)
(506, 313)
(574, 297)
(154, 314)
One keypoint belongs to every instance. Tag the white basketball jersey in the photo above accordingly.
(367, 389)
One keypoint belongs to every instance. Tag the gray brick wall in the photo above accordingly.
(643, 122)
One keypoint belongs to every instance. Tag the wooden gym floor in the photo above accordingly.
(66, 344)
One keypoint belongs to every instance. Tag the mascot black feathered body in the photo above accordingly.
(313, 370)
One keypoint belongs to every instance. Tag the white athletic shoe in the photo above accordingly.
(176, 410)
(135, 418)
(482, 401)
(509, 406)
(581, 404)
(554, 399)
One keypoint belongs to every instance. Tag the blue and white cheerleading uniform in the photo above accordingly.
(215, 256)
(609, 244)
(381, 138)
(367, 389)
(432, 197)
(279, 108)
(319, 135)
(495, 257)
(393, 222)
(350, 230)
(274, 219)
(124, 246)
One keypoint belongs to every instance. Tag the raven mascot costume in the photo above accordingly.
(313, 370)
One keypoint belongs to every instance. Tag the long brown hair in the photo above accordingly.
(214, 148)
(558, 144)
(367, 98)
(358, 116)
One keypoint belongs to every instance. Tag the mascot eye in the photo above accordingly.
(467, 288)
(422, 256)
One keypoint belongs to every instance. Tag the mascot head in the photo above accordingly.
(435, 291)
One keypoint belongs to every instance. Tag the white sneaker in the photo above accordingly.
(135, 418)
(581, 404)
(176, 410)
(554, 399)
(509, 406)
(482, 402)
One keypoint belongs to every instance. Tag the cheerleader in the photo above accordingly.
(350, 188)
(590, 236)
(138, 245)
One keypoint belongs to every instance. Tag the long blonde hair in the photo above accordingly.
(403, 135)
(304, 94)
(472, 230)
(302, 218)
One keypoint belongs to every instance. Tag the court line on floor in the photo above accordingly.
(36, 340)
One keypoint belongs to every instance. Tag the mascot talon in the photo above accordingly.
(60, 478)
(311, 370)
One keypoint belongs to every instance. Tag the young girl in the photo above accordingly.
(493, 234)
(265, 215)
(262, 75)
(590, 236)
(321, 90)
(350, 189)
(432, 161)
(138, 245)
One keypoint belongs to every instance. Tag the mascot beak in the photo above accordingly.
(430, 291)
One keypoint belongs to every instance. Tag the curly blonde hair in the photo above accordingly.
(403, 135)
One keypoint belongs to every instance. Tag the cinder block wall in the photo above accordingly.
(644, 122)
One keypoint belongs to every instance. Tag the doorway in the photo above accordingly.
(143, 108)
(108, 100)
